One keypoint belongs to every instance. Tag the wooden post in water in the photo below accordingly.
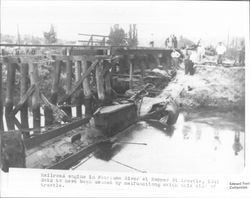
(11, 72)
(68, 85)
(100, 82)
(1, 103)
(23, 89)
(49, 119)
(35, 104)
(79, 95)
(86, 90)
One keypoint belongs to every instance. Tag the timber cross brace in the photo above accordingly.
(78, 86)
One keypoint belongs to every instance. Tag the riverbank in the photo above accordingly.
(210, 87)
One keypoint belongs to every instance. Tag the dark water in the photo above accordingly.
(200, 142)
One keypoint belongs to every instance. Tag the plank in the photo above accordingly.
(38, 139)
(71, 160)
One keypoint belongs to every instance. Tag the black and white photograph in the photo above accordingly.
(140, 87)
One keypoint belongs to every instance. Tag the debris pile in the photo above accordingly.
(211, 86)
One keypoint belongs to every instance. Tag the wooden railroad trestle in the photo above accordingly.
(88, 65)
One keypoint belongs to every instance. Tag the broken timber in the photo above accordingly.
(38, 139)
(57, 112)
(23, 101)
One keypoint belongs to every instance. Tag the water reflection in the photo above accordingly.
(200, 142)
(166, 129)
(237, 147)
(217, 141)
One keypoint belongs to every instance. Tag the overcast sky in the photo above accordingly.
(155, 20)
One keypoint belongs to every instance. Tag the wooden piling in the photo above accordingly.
(165, 61)
(68, 110)
(23, 90)
(100, 82)
(55, 83)
(157, 60)
(79, 95)
(130, 75)
(107, 82)
(35, 101)
(142, 68)
(49, 119)
(125, 66)
(11, 72)
(1, 103)
(86, 90)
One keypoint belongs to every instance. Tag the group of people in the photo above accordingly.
(186, 57)
(171, 42)
(239, 57)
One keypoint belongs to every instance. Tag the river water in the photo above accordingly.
(201, 142)
(204, 141)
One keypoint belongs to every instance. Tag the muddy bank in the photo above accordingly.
(210, 87)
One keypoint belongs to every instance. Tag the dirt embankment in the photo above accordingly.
(210, 87)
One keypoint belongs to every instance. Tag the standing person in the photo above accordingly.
(151, 43)
(167, 42)
(200, 51)
(220, 49)
(170, 42)
(175, 58)
(189, 64)
(242, 54)
(175, 43)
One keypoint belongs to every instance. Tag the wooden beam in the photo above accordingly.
(71, 160)
(34, 80)
(86, 90)
(130, 75)
(68, 86)
(60, 114)
(38, 139)
(1, 103)
(23, 101)
(141, 51)
(49, 119)
(96, 35)
(107, 81)
(52, 45)
(142, 67)
(79, 83)
(11, 72)
(79, 95)
(23, 93)
(100, 82)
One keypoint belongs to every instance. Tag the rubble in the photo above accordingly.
(210, 86)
